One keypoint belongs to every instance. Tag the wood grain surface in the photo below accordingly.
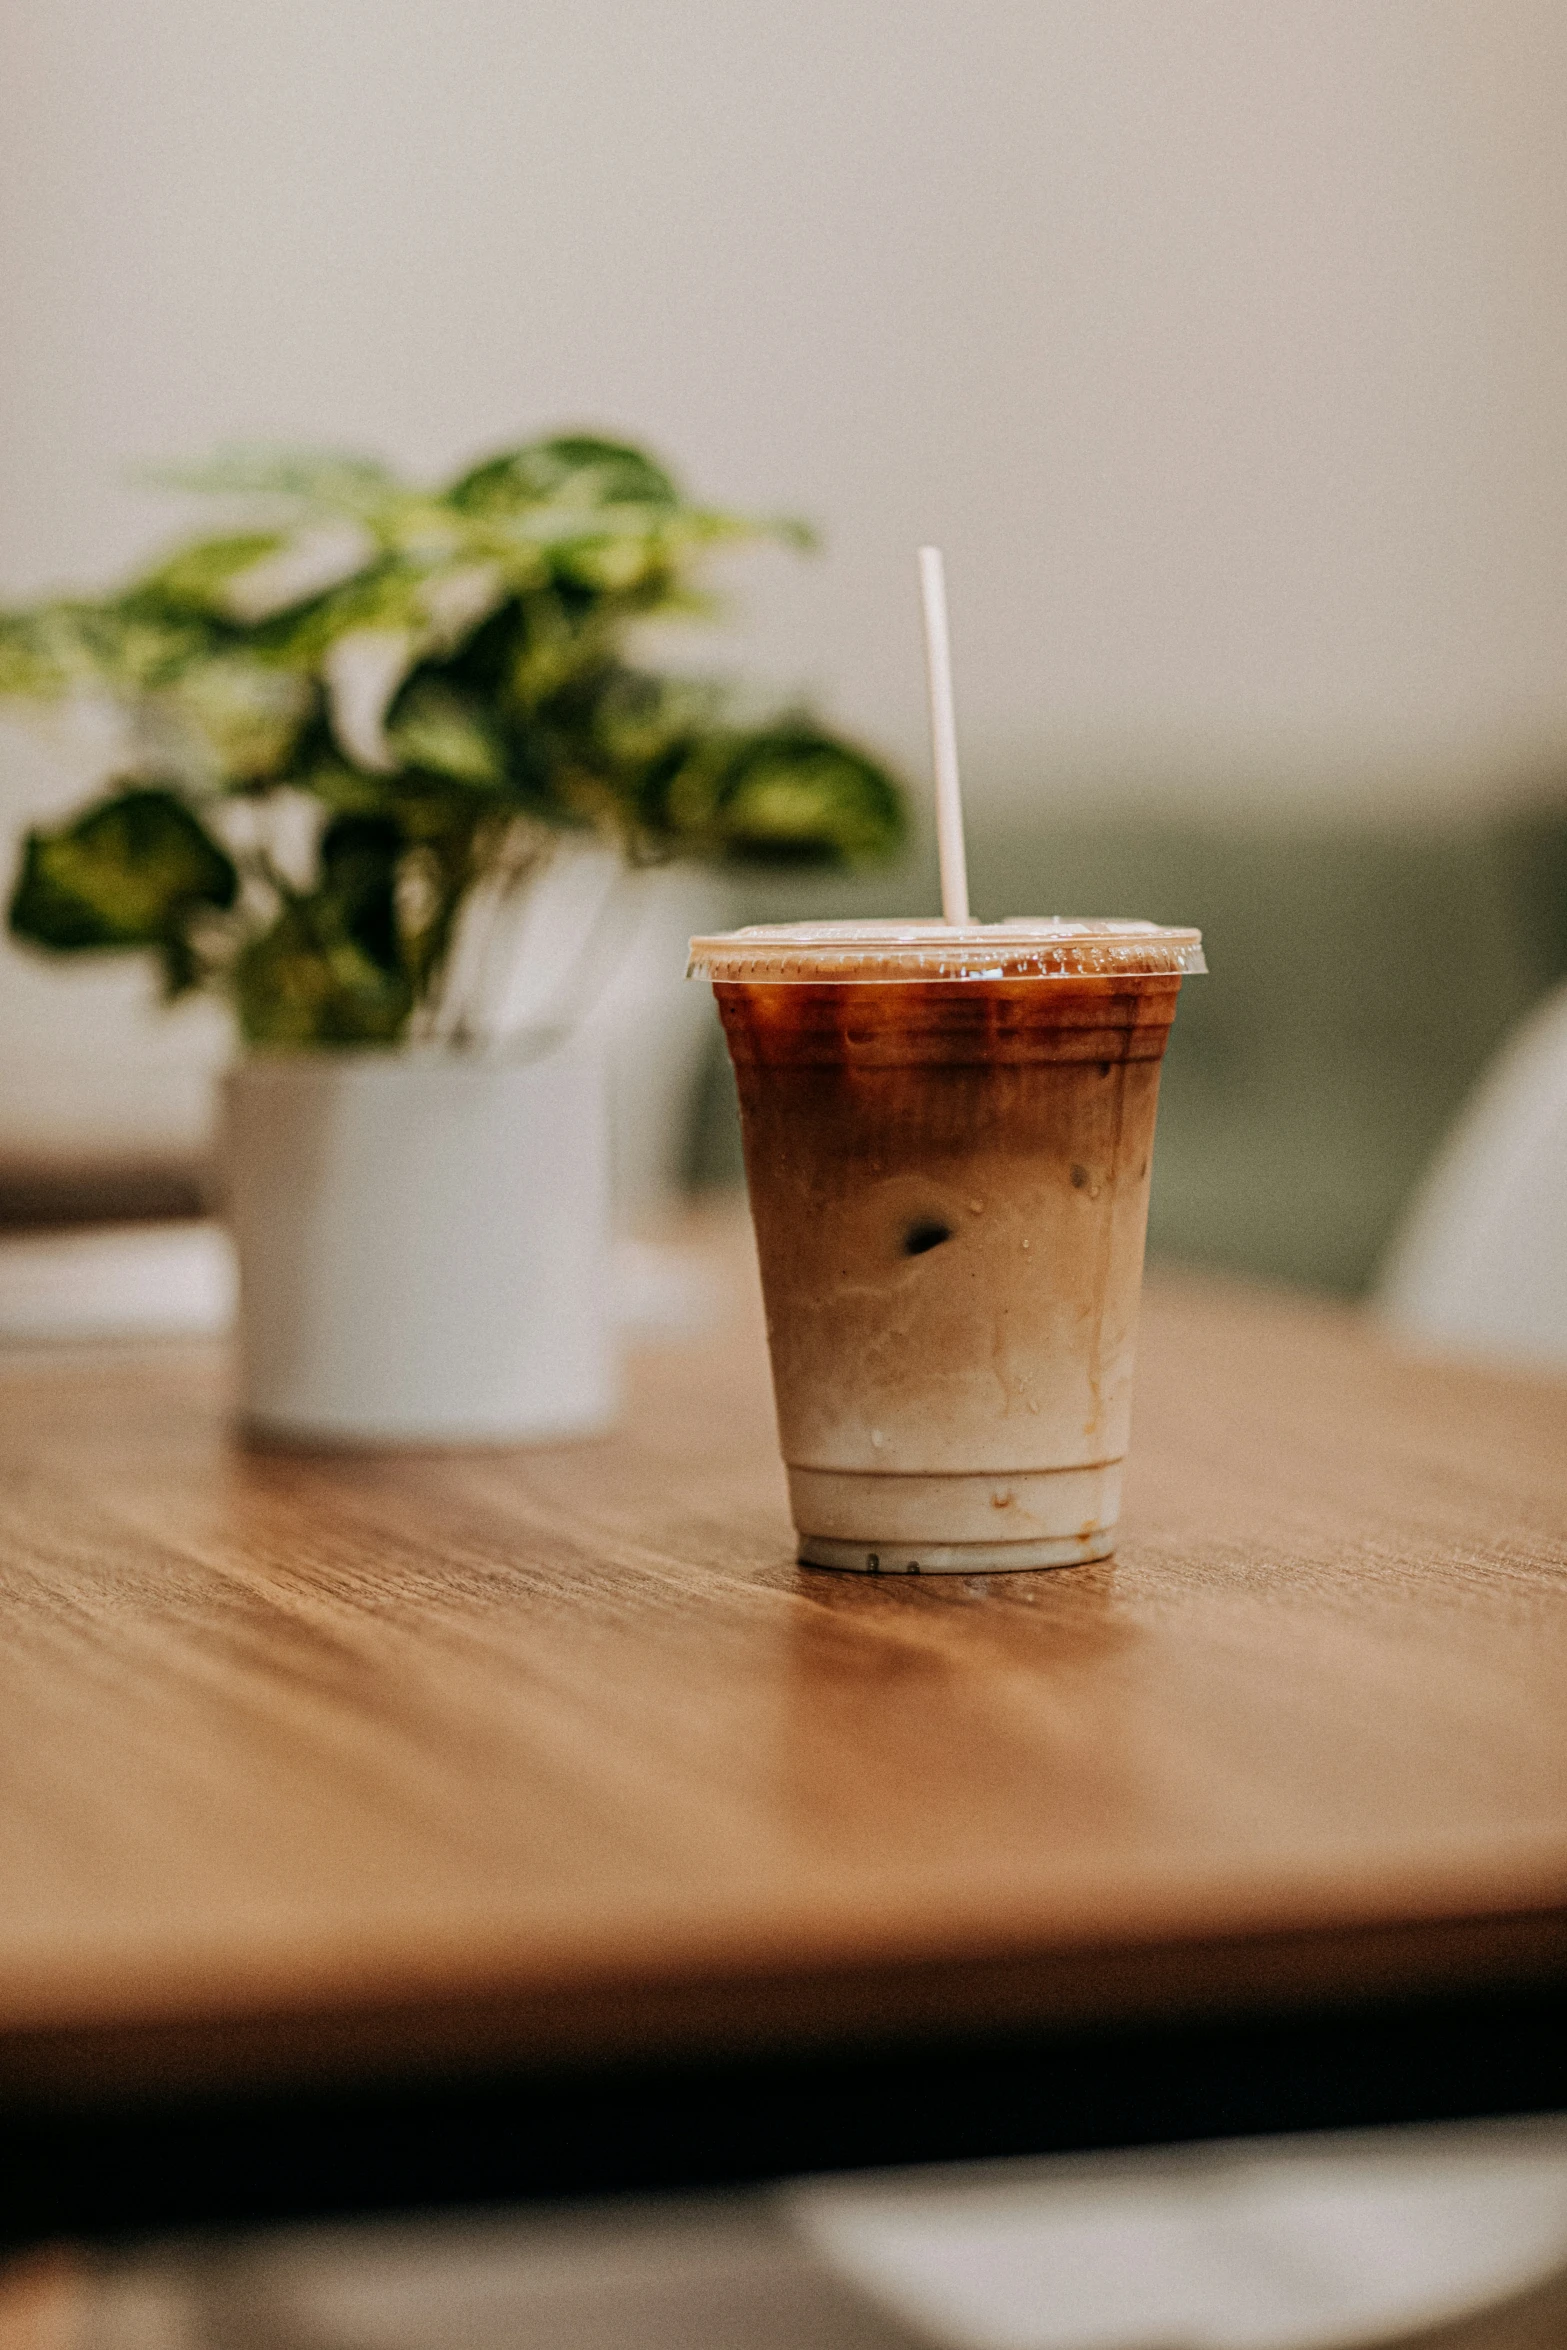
(318, 1765)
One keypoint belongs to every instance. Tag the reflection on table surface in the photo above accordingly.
(1450, 2238)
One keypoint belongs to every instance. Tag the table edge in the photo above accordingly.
(607, 2022)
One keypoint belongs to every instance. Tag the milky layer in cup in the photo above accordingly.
(949, 1139)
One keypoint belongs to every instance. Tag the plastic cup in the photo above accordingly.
(948, 1141)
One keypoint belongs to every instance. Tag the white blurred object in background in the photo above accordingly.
(1289, 2245)
(155, 1280)
(1480, 1264)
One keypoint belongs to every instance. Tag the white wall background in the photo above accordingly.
(1222, 342)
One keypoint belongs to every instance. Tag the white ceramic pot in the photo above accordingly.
(423, 1244)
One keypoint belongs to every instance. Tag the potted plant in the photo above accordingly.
(358, 727)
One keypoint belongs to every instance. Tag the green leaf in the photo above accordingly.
(130, 872)
(441, 732)
(303, 983)
(181, 966)
(794, 795)
(613, 563)
(574, 469)
(357, 896)
(196, 578)
(118, 646)
(432, 608)
(346, 790)
(244, 716)
(549, 648)
(435, 810)
(33, 663)
(329, 970)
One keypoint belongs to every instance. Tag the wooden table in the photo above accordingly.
(385, 1827)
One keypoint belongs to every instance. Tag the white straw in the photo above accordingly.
(944, 739)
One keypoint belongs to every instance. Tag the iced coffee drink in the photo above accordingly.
(948, 1142)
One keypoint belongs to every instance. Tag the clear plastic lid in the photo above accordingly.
(1027, 947)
